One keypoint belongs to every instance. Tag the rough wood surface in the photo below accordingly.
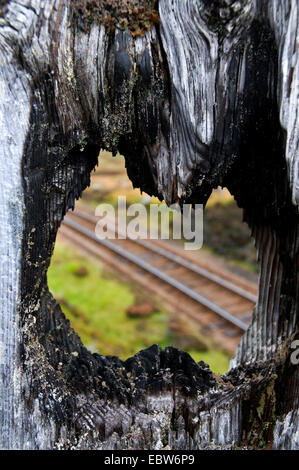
(207, 97)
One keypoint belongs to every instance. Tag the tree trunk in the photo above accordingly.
(194, 94)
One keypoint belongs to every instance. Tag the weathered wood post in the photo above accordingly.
(195, 94)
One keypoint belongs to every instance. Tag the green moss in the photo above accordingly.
(262, 417)
(136, 16)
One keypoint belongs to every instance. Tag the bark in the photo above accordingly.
(206, 97)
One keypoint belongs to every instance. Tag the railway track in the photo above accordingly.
(210, 301)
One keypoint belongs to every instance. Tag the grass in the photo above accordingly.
(96, 302)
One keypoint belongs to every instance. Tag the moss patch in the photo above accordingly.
(136, 16)
(259, 416)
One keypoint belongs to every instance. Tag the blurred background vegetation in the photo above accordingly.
(99, 303)
(96, 303)
(225, 233)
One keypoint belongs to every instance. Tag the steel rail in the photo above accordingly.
(173, 257)
(159, 274)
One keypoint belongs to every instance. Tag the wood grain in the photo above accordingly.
(208, 97)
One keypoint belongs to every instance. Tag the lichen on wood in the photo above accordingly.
(135, 16)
